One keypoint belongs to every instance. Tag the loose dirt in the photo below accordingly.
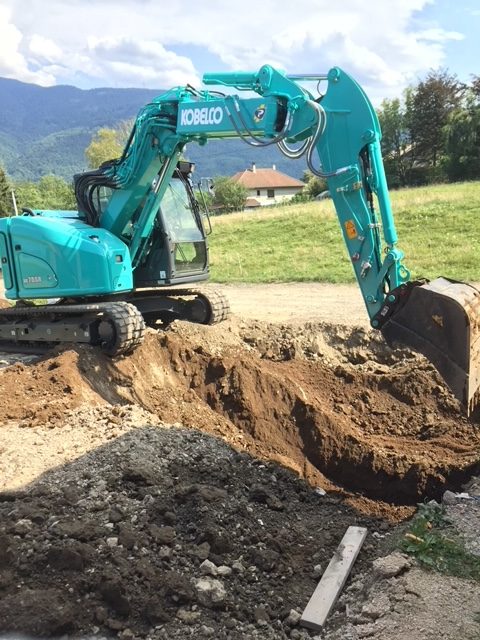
(122, 477)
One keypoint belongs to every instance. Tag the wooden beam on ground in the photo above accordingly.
(333, 579)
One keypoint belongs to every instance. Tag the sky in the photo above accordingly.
(384, 44)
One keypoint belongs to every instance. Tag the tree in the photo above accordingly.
(314, 185)
(432, 101)
(105, 145)
(50, 193)
(229, 195)
(475, 88)
(6, 204)
(396, 140)
(462, 135)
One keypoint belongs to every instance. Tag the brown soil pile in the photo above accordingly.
(333, 404)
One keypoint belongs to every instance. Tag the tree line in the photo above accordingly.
(430, 134)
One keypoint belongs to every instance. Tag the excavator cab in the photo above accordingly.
(178, 251)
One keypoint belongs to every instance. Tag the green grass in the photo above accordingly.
(435, 544)
(438, 229)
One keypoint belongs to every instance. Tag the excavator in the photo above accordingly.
(136, 249)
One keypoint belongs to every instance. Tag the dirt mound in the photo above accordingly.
(333, 404)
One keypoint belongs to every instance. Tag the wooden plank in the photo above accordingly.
(333, 579)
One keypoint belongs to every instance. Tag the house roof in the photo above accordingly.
(252, 203)
(266, 179)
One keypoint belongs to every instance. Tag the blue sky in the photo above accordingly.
(384, 44)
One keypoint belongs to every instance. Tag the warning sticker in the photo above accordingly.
(351, 229)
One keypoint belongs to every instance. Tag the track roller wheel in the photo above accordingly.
(215, 304)
(120, 329)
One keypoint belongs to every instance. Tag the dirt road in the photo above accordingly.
(298, 302)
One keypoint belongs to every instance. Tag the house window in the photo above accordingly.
(270, 193)
(258, 192)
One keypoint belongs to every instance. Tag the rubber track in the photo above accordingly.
(129, 327)
(126, 318)
(217, 302)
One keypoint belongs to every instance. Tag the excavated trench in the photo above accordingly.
(335, 405)
(363, 432)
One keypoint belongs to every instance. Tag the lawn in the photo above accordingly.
(438, 229)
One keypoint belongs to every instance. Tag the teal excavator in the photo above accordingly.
(136, 249)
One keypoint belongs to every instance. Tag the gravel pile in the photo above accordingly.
(168, 532)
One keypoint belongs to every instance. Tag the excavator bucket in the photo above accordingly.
(441, 320)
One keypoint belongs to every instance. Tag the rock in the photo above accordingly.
(378, 606)
(238, 567)
(127, 537)
(208, 632)
(210, 494)
(140, 474)
(112, 542)
(202, 551)
(261, 494)
(220, 542)
(449, 498)
(317, 571)
(164, 553)
(207, 568)
(178, 587)
(22, 526)
(155, 611)
(114, 624)
(112, 593)
(101, 614)
(366, 630)
(83, 530)
(210, 592)
(170, 517)
(189, 617)
(224, 571)
(63, 558)
(116, 515)
(261, 614)
(264, 559)
(162, 535)
(7, 578)
(6, 551)
(391, 565)
(293, 618)
(207, 492)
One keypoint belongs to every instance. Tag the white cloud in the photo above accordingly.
(13, 63)
(148, 62)
(44, 49)
(134, 43)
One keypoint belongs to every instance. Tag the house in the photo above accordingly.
(267, 186)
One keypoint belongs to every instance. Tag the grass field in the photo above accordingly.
(438, 229)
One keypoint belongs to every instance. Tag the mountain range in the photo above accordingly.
(45, 130)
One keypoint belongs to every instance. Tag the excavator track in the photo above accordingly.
(116, 327)
(198, 305)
